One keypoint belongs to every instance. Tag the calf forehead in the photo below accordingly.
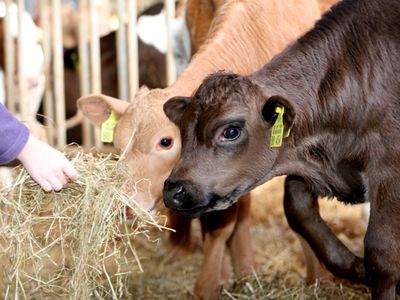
(221, 96)
(221, 91)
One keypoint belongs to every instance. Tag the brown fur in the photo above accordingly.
(339, 87)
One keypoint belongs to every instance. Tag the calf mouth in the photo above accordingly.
(193, 212)
(214, 202)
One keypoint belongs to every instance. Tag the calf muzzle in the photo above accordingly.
(180, 197)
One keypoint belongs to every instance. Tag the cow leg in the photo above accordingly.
(303, 216)
(382, 246)
(180, 239)
(217, 227)
(240, 242)
(316, 271)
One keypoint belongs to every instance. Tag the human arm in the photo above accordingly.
(47, 166)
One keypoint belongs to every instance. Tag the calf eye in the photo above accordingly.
(166, 143)
(231, 133)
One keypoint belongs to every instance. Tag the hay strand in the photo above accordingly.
(75, 243)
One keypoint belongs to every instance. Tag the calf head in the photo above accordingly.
(148, 142)
(226, 130)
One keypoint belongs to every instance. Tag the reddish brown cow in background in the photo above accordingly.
(199, 16)
(244, 34)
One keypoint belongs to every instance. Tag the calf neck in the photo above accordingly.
(337, 90)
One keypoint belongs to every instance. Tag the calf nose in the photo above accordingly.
(180, 194)
(174, 194)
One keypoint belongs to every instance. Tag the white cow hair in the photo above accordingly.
(152, 31)
(33, 59)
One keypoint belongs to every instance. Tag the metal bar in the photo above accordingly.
(9, 63)
(94, 48)
(169, 7)
(95, 59)
(133, 66)
(22, 84)
(122, 52)
(48, 104)
(58, 72)
(87, 127)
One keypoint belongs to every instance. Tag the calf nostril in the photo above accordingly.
(180, 193)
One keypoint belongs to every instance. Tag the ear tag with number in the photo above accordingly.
(278, 128)
(107, 128)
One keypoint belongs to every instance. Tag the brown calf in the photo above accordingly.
(151, 143)
(333, 97)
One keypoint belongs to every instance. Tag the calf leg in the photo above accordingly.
(180, 239)
(382, 248)
(217, 227)
(303, 216)
(240, 242)
(315, 268)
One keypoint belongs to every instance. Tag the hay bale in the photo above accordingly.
(75, 243)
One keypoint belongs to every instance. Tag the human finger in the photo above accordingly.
(70, 171)
(46, 186)
(56, 184)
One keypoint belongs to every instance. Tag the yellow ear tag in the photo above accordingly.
(107, 128)
(278, 128)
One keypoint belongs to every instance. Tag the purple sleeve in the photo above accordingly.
(13, 136)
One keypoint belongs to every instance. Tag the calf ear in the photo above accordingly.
(142, 90)
(98, 107)
(269, 111)
(175, 107)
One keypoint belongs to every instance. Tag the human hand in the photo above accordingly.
(46, 165)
